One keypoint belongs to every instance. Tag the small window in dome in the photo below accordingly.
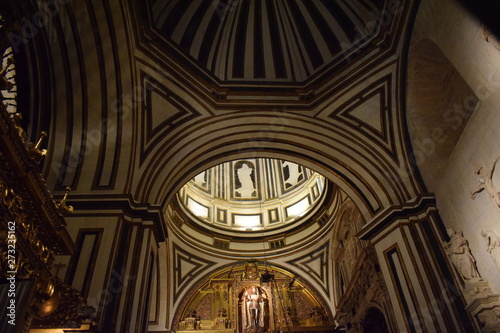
(298, 208)
(247, 221)
(198, 209)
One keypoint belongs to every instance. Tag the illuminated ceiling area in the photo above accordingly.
(252, 195)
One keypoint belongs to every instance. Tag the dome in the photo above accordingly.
(253, 41)
(252, 195)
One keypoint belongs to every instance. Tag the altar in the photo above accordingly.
(253, 297)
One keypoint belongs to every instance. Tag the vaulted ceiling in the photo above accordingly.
(265, 53)
(266, 41)
(140, 97)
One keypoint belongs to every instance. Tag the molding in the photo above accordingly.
(413, 210)
(120, 205)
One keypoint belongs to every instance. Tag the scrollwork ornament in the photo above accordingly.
(4, 263)
(34, 150)
(24, 268)
(9, 197)
(16, 120)
(70, 308)
(62, 207)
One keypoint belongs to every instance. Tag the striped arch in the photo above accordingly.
(370, 177)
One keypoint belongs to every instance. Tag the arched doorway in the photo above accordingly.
(374, 321)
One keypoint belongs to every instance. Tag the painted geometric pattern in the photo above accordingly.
(163, 111)
(370, 112)
(273, 40)
(186, 268)
(316, 264)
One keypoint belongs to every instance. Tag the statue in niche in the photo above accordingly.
(245, 187)
(294, 173)
(460, 255)
(200, 179)
(493, 246)
(253, 310)
(486, 183)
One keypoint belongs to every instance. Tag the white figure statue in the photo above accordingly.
(247, 186)
(493, 246)
(253, 309)
(293, 173)
(488, 185)
(200, 179)
(459, 253)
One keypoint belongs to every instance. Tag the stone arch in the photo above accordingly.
(375, 321)
(373, 184)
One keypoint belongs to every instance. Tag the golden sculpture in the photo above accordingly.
(34, 151)
(34, 233)
(237, 300)
(16, 119)
(62, 208)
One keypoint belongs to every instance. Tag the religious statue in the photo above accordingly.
(460, 255)
(294, 173)
(488, 185)
(493, 246)
(200, 179)
(247, 186)
(253, 310)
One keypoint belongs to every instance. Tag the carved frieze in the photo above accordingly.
(480, 299)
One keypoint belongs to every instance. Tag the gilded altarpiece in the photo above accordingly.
(253, 297)
(32, 232)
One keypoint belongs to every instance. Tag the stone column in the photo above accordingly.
(423, 292)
